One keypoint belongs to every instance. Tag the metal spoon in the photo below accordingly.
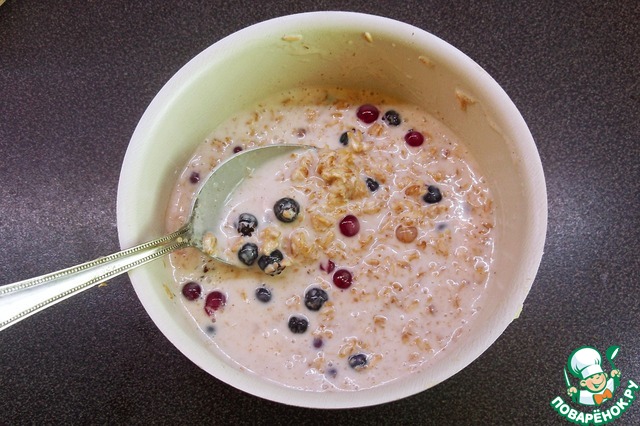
(24, 298)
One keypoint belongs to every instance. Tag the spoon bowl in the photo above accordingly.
(24, 298)
(212, 197)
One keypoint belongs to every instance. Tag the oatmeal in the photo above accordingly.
(364, 258)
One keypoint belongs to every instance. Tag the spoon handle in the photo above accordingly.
(24, 298)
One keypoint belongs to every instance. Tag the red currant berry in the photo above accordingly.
(328, 267)
(349, 226)
(413, 138)
(342, 278)
(191, 290)
(215, 300)
(367, 113)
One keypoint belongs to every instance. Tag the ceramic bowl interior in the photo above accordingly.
(347, 50)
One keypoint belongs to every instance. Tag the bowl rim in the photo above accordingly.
(322, 19)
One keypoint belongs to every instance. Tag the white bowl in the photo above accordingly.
(399, 59)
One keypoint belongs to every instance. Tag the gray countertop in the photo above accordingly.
(76, 76)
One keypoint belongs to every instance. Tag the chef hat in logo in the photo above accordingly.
(585, 362)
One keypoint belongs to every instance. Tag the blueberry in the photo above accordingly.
(344, 138)
(298, 324)
(263, 294)
(286, 209)
(433, 195)
(372, 184)
(248, 254)
(315, 298)
(392, 118)
(271, 264)
(358, 361)
(264, 261)
(194, 178)
(247, 224)
(277, 254)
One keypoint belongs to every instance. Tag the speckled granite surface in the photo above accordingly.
(75, 77)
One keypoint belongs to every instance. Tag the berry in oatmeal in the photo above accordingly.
(298, 324)
(358, 361)
(367, 113)
(314, 298)
(263, 294)
(328, 266)
(392, 118)
(414, 138)
(214, 301)
(286, 209)
(272, 264)
(247, 224)
(372, 184)
(248, 254)
(349, 225)
(342, 279)
(433, 195)
(344, 138)
(191, 290)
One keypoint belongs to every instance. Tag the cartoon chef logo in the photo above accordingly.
(596, 386)
(594, 389)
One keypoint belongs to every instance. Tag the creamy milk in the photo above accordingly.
(418, 269)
